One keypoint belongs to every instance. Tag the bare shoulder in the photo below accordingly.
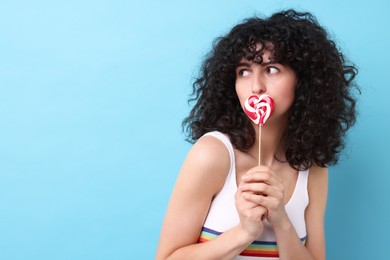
(208, 160)
(209, 148)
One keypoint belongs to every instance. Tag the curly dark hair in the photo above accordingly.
(324, 105)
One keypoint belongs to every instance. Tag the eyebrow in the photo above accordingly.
(248, 64)
(244, 64)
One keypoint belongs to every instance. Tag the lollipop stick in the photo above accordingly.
(259, 144)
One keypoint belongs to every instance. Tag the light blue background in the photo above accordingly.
(92, 95)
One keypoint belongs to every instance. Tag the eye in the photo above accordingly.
(243, 72)
(272, 70)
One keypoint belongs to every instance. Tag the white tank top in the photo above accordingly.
(223, 215)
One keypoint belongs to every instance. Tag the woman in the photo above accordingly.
(224, 205)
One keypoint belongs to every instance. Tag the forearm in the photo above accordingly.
(226, 246)
(290, 246)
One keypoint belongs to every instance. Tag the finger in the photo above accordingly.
(258, 199)
(265, 177)
(270, 203)
(263, 212)
(242, 203)
(260, 176)
(260, 212)
(260, 168)
(259, 188)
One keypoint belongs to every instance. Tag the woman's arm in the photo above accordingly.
(202, 176)
(315, 212)
(289, 245)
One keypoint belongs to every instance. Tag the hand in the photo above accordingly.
(260, 186)
(251, 215)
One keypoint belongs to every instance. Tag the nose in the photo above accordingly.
(258, 86)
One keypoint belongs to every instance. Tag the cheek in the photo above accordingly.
(287, 97)
(289, 88)
(241, 93)
(290, 101)
(289, 94)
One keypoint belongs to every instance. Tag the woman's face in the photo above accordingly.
(274, 79)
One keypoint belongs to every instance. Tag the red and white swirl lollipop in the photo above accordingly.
(259, 109)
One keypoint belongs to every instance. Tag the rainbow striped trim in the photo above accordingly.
(257, 248)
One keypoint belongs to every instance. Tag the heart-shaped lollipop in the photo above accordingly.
(259, 108)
